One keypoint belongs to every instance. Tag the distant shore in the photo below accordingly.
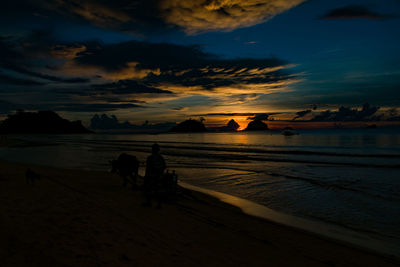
(82, 218)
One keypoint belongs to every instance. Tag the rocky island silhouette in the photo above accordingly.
(41, 122)
(256, 125)
(189, 126)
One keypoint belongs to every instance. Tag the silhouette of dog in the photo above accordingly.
(31, 176)
(126, 165)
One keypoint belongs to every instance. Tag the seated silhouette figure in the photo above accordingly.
(170, 182)
(126, 166)
(155, 166)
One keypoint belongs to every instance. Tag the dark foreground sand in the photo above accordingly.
(80, 218)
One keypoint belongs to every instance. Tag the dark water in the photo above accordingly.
(345, 177)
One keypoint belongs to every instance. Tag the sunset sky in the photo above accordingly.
(166, 61)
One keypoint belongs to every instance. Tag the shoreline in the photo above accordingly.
(88, 214)
(329, 231)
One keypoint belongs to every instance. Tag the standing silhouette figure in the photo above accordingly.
(155, 166)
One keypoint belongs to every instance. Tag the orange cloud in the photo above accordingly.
(240, 89)
(69, 67)
(197, 16)
(129, 72)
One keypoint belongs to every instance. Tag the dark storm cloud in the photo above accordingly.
(84, 107)
(367, 113)
(37, 43)
(132, 16)
(355, 11)
(10, 80)
(26, 46)
(149, 55)
(118, 99)
(124, 87)
(18, 55)
(8, 107)
(167, 57)
(46, 76)
(186, 66)
(92, 95)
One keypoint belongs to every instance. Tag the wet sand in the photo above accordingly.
(85, 218)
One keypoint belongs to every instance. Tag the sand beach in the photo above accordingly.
(85, 218)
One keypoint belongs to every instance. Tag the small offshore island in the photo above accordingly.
(257, 125)
(196, 126)
(189, 126)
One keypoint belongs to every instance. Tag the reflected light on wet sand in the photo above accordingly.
(323, 229)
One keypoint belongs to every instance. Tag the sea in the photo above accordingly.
(348, 178)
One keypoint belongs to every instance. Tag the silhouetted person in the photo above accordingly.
(155, 166)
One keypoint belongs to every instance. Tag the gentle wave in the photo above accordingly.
(349, 182)
(235, 154)
(200, 146)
